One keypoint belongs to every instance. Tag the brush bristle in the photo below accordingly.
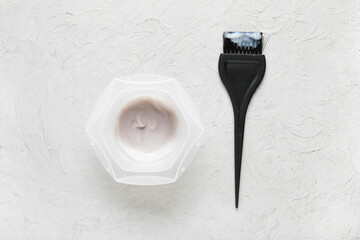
(242, 42)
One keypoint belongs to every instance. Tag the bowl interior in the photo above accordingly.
(131, 159)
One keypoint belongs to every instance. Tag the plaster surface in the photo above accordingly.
(301, 160)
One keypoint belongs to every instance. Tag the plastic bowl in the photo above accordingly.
(129, 166)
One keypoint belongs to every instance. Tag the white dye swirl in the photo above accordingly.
(146, 124)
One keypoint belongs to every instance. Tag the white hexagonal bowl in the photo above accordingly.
(128, 166)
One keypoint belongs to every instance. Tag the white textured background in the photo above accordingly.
(301, 171)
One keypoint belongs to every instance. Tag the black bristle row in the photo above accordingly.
(233, 48)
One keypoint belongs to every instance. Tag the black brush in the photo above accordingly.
(241, 69)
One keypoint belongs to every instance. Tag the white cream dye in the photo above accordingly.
(146, 124)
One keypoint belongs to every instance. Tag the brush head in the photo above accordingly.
(243, 42)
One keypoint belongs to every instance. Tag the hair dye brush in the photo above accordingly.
(241, 69)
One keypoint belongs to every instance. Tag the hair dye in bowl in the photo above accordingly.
(146, 124)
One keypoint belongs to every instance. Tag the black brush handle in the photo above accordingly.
(239, 126)
(241, 75)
